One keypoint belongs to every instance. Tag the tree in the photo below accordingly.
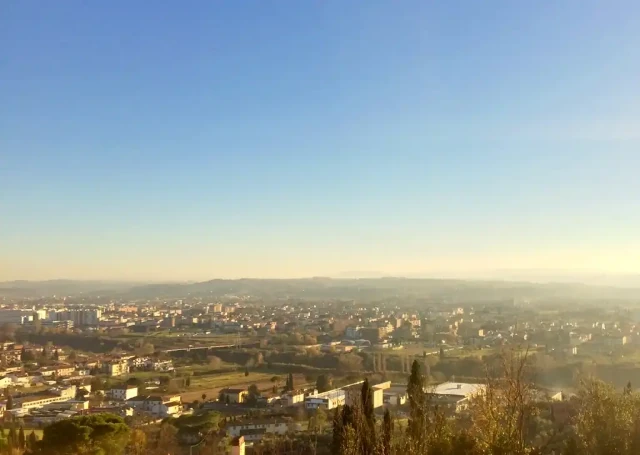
(628, 389)
(94, 434)
(324, 383)
(21, 439)
(137, 444)
(246, 371)
(387, 433)
(215, 362)
(417, 424)
(96, 384)
(607, 421)
(187, 381)
(204, 397)
(13, 437)
(350, 362)
(318, 421)
(165, 441)
(32, 442)
(9, 405)
(501, 420)
(254, 394)
(369, 418)
(27, 356)
(290, 384)
(7, 331)
(442, 352)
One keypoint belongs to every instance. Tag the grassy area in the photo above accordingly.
(228, 379)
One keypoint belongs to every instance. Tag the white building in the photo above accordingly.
(254, 430)
(156, 405)
(327, 400)
(79, 316)
(124, 393)
(292, 398)
(456, 395)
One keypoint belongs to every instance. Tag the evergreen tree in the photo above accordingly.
(290, 384)
(441, 352)
(13, 437)
(32, 441)
(417, 425)
(628, 389)
(21, 439)
(246, 371)
(338, 432)
(387, 432)
(367, 431)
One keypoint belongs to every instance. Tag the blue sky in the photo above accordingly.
(192, 140)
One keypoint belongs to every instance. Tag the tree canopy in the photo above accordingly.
(99, 434)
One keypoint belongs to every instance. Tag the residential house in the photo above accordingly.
(64, 370)
(116, 367)
(157, 405)
(254, 430)
(123, 393)
(292, 398)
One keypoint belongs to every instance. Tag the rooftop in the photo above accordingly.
(461, 389)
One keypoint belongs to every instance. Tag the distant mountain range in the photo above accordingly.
(323, 288)
(588, 277)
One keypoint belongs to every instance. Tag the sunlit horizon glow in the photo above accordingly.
(301, 139)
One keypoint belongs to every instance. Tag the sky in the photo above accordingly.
(201, 139)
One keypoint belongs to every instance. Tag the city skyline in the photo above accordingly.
(307, 139)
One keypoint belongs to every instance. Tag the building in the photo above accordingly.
(116, 367)
(55, 395)
(292, 398)
(455, 395)
(353, 392)
(157, 406)
(80, 317)
(123, 393)
(234, 395)
(254, 430)
(64, 370)
(330, 399)
(159, 365)
(352, 332)
(396, 395)
(238, 446)
(372, 334)
(15, 316)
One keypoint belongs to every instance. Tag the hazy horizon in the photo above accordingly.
(591, 277)
(299, 139)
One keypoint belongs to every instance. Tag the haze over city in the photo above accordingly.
(320, 227)
(298, 139)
